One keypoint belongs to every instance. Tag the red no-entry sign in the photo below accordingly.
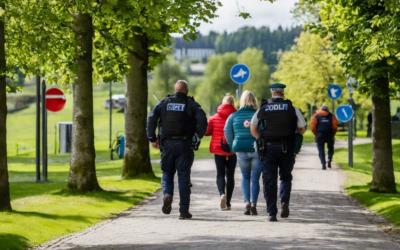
(55, 100)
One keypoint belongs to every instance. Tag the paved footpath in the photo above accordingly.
(321, 217)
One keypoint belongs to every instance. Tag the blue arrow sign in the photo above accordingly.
(344, 113)
(334, 92)
(240, 73)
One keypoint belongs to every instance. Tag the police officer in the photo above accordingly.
(279, 122)
(180, 120)
(324, 127)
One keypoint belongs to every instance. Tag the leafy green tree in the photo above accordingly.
(366, 35)
(54, 39)
(217, 81)
(140, 31)
(308, 69)
(164, 78)
(4, 185)
(260, 76)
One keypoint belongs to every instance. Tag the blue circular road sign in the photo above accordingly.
(344, 113)
(334, 92)
(240, 73)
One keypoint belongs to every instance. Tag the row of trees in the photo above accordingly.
(366, 36)
(217, 80)
(270, 42)
(75, 42)
(308, 69)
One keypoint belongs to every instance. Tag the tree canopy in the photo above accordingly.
(308, 69)
(164, 78)
(218, 82)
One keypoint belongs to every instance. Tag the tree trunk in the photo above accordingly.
(4, 186)
(82, 174)
(137, 154)
(382, 159)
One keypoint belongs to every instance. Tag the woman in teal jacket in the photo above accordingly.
(238, 135)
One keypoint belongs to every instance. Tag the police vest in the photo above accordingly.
(324, 124)
(177, 118)
(278, 119)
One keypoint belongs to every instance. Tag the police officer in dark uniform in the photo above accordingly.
(181, 124)
(279, 122)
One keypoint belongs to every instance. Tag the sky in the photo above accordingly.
(263, 14)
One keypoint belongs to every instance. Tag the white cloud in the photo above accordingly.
(263, 14)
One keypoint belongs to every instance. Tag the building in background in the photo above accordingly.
(200, 54)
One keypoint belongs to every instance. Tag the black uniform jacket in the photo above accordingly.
(155, 117)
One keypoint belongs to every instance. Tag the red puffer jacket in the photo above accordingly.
(216, 126)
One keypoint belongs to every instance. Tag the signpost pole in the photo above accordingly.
(240, 90)
(345, 113)
(350, 140)
(44, 131)
(333, 106)
(37, 128)
(110, 113)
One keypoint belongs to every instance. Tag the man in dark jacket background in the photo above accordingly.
(180, 120)
(324, 127)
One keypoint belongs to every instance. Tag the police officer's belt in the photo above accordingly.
(176, 138)
(274, 143)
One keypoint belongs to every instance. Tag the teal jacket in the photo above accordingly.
(237, 130)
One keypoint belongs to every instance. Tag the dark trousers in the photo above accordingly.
(177, 155)
(275, 158)
(226, 168)
(321, 140)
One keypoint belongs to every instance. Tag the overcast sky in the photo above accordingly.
(263, 14)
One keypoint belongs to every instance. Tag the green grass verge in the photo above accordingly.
(42, 212)
(341, 136)
(360, 176)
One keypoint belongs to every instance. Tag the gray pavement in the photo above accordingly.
(322, 217)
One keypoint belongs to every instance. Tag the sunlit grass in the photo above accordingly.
(360, 177)
(42, 212)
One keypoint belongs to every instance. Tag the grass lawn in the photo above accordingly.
(341, 135)
(42, 212)
(359, 178)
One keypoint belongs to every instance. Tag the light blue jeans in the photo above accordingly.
(251, 168)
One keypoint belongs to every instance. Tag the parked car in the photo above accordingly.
(118, 102)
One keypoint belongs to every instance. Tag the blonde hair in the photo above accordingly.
(228, 99)
(248, 100)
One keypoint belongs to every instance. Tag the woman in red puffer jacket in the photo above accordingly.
(225, 161)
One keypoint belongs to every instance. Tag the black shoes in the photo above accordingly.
(185, 215)
(272, 218)
(166, 208)
(253, 210)
(323, 166)
(247, 207)
(285, 210)
(329, 165)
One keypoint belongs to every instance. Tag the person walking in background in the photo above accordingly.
(224, 159)
(324, 127)
(238, 135)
